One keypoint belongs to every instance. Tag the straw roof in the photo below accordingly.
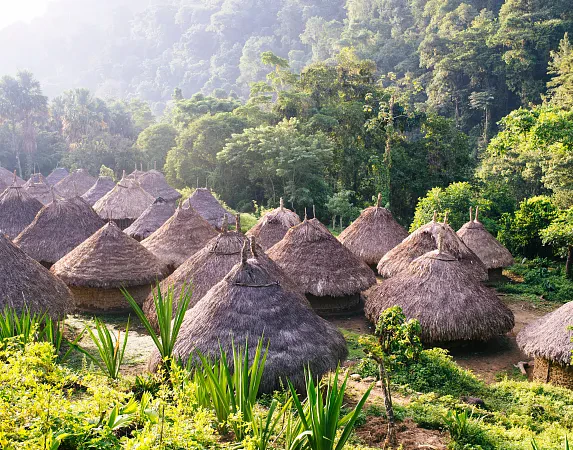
(484, 245)
(251, 302)
(7, 179)
(209, 207)
(450, 304)
(57, 175)
(75, 184)
(373, 234)
(57, 229)
(184, 234)
(151, 220)
(26, 284)
(314, 259)
(272, 227)
(101, 187)
(127, 200)
(155, 183)
(40, 190)
(549, 337)
(17, 210)
(109, 259)
(425, 239)
(210, 265)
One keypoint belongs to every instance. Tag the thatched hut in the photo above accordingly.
(424, 240)
(450, 304)
(28, 285)
(102, 186)
(373, 234)
(7, 179)
(210, 265)
(250, 303)
(155, 183)
(58, 174)
(488, 249)
(124, 203)
(329, 274)
(183, 235)
(273, 226)
(75, 184)
(40, 190)
(209, 207)
(57, 229)
(548, 340)
(136, 173)
(151, 220)
(97, 269)
(17, 210)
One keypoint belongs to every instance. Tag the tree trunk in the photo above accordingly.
(569, 263)
(391, 438)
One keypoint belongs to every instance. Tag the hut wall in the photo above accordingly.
(327, 305)
(495, 274)
(107, 300)
(546, 371)
(123, 223)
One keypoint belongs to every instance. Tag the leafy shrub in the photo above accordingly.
(520, 233)
(366, 367)
(436, 371)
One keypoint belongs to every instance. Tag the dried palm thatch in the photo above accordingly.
(151, 220)
(449, 303)
(484, 245)
(136, 173)
(17, 210)
(75, 184)
(40, 190)
(124, 203)
(155, 183)
(251, 302)
(373, 234)
(28, 285)
(57, 229)
(56, 176)
(209, 207)
(7, 179)
(101, 187)
(183, 235)
(209, 266)
(107, 261)
(272, 227)
(549, 337)
(425, 239)
(314, 259)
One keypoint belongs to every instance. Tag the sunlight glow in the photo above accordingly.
(12, 11)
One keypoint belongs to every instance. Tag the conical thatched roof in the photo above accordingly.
(101, 187)
(57, 229)
(17, 210)
(273, 226)
(373, 234)
(75, 184)
(109, 259)
(7, 179)
(314, 259)
(40, 190)
(425, 239)
(126, 201)
(249, 303)
(209, 207)
(549, 337)
(151, 220)
(209, 266)
(26, 284)
(57, 175)
(183, 235)
(155, 183)
(484, 245)
(450, 304)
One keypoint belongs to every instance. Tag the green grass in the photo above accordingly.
(355, 352)
(538, 280)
